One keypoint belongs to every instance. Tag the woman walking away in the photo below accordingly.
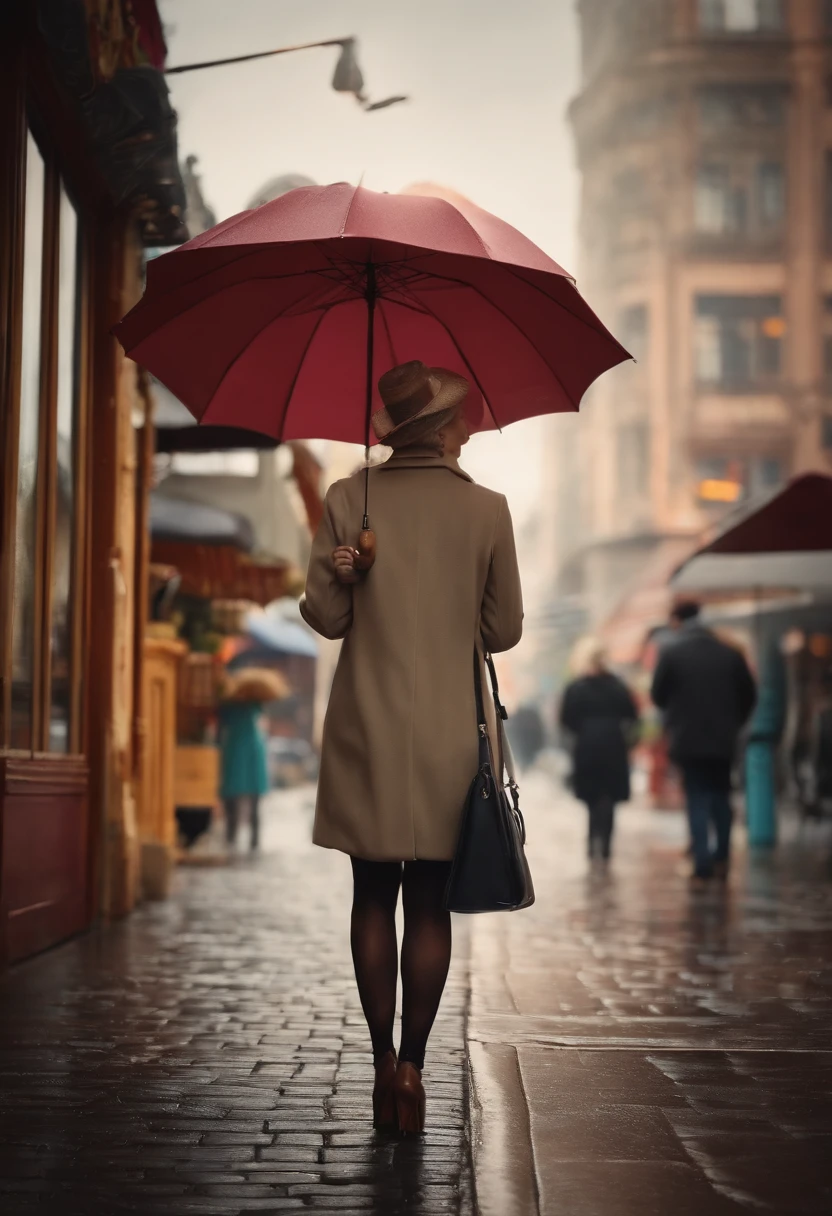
(243, 764)
(400, 740)
(600, 715)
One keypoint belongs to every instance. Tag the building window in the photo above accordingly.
(728, 106)
(740, 16)
(633, 329)
(722, 480)
(720, 204)
(633, 459)
(738, 341)
(736, 200)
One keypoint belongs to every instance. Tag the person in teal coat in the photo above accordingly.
(243, 760)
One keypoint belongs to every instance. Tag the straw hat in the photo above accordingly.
(418, 401)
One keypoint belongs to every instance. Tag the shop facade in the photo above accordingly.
(87, 177)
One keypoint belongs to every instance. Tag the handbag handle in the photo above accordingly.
(506, 754)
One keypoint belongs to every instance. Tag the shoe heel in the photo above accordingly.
(411, 1118)
(410, 1100)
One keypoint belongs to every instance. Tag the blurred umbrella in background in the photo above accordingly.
(786, 543)
(268, 638)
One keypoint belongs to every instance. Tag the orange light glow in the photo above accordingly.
(774, 327)
(713, 490)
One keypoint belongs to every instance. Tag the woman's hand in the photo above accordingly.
(344, 561)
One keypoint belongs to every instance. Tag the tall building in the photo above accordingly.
(704, 138)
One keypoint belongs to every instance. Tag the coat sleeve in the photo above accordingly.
(502, 601)
(327, 604)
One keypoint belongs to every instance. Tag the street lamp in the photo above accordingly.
(347, 77)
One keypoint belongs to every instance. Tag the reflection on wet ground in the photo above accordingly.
(675, 1045)
(209, 1055)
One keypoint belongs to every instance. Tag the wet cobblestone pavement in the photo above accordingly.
(638, 1048)
(672, 1048)
(208, 1055)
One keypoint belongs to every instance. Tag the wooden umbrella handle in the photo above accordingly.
(366, 550)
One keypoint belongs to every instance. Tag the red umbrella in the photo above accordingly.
(797, 519)
(787, 542)
(282, 319)
(262, 321)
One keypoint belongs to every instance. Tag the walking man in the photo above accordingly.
(707, 693)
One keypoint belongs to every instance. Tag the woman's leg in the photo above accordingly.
(255, 821)
(426, 953)
(374, 947)
(232, 811)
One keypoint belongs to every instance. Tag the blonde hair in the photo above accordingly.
(589, 657)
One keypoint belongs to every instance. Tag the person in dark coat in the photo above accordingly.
(706, 692)
(600, 715)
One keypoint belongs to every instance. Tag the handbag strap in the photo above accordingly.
(506, 756)
(482, 725)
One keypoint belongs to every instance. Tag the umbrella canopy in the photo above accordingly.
(283, 318)
(176, 430)
(179, 520)
(273, 638)
(785, 543)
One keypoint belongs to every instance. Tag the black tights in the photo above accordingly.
(426, 949)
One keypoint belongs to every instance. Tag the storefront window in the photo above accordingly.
(25, 560)
(65, 492)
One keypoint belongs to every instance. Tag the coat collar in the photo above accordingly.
(422, 458)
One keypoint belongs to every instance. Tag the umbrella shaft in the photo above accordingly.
(371, 318)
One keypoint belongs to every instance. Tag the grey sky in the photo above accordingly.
(489, 84)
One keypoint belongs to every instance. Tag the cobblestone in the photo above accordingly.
(673, 1046)
(209, 1055)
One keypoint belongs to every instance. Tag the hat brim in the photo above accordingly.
(452, 392)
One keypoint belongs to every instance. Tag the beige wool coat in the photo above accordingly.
(400, 737)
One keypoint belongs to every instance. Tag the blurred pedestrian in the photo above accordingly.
(600, 716)
(400, 742)
(244, 774)
(707, 693)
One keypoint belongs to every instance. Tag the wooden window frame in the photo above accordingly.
(11, 257)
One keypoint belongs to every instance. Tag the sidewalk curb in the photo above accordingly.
(504, 1169)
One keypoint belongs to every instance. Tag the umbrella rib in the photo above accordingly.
(598, 329)
(513, 323)
(299, 368)
(272, 278)
(386, 325)
(277, 317)
(459, 351)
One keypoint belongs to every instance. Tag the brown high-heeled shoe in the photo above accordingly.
(410, 1099)
(384, 1100)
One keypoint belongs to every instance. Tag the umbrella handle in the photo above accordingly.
(366, 550)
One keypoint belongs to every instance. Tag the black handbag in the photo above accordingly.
(490, 872)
